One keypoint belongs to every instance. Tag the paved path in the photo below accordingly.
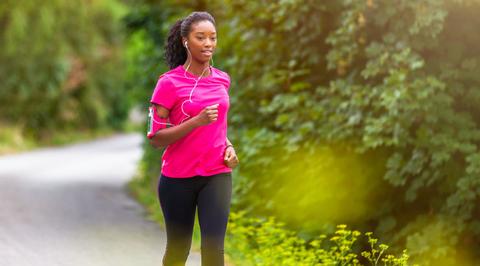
(69, 206)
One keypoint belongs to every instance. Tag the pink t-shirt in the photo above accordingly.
(201, 151)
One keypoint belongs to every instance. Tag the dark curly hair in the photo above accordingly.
(175, 52)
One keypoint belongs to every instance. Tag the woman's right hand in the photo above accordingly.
(208, 115)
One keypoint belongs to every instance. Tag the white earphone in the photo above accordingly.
(191, 92)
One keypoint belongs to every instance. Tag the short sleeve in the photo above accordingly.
(164, 93)
(228, 83)
(225, 80)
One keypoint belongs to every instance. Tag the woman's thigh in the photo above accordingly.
(178, 202)
(214, 207)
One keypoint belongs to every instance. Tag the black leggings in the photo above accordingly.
(179, 198)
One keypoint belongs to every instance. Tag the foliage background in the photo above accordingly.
(357, 112)
(61, 66)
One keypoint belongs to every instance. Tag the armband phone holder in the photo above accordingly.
(151, 131)
(155, 123)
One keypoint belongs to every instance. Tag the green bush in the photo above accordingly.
(61, 65)
(265, 242)
(391, 81)
(358, 112)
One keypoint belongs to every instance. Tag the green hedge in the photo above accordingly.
(61, 65)
(266, 242)
(389, 85)
(355, 112)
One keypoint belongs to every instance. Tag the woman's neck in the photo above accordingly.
(197, 68)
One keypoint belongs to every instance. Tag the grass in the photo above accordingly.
(13, 140)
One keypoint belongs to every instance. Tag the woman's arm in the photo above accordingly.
(166, 136)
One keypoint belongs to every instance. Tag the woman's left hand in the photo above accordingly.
(230, 158)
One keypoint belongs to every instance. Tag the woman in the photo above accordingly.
(197, 163)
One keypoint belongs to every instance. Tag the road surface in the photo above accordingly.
(69, 206)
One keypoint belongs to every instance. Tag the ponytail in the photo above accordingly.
(175, 52)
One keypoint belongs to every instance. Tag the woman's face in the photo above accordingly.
(202, 41)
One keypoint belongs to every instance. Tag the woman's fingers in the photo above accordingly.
(227, 155)
(232, 162)
(213, 106)
(231, 159)
(212, 112)
(208, 115)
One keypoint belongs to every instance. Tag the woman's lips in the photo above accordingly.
(207, 53)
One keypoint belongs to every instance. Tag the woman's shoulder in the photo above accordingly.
(222, 76)
(221, 73)
(170, 73)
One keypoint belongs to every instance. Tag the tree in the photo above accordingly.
(60, 64)
(391, 81)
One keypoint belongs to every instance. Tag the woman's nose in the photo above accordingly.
(208, 42)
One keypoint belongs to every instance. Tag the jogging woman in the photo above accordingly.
(190, 105)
